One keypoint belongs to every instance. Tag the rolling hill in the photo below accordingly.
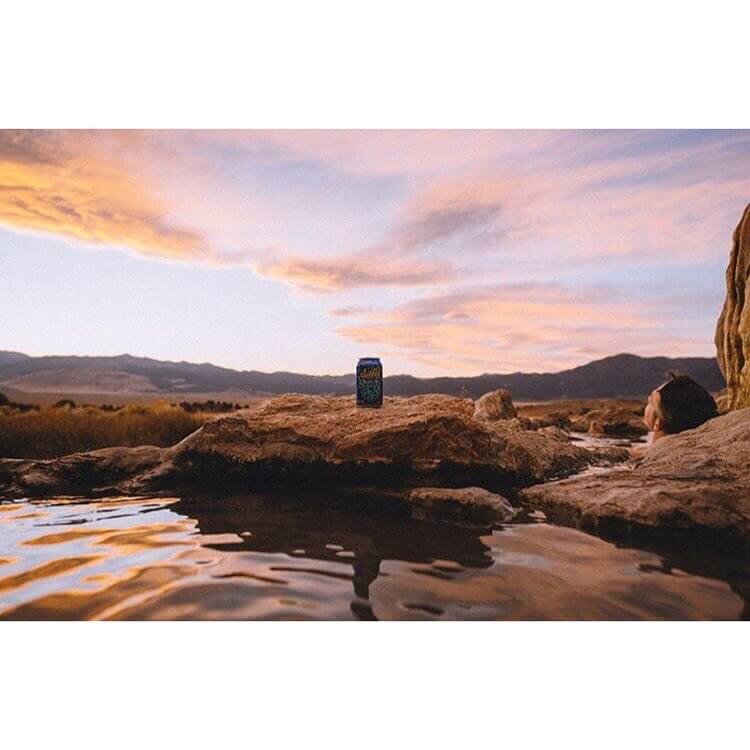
(623, 375)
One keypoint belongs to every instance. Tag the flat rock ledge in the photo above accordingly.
(469, 502)
(698, 481)
(302, 440)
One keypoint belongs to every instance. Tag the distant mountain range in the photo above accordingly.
(620, 375)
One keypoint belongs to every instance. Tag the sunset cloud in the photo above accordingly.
(504, 328)
(468, 208)
(464, 250)
(417, 250)
(64, 184)
(350, 272)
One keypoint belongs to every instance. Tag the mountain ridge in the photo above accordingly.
(620, 375)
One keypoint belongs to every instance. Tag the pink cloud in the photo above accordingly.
(334, 274)
(508, 328)
(66, 183)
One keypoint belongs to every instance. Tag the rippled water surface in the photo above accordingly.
(272, 558)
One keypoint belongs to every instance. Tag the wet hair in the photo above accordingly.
(685, 404)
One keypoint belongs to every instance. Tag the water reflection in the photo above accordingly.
(254, 557)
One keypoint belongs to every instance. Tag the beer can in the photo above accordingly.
(369, 382)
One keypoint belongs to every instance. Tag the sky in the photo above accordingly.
(451, 252)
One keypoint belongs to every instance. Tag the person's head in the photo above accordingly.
(677, 405)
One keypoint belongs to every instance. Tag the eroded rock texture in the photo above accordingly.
(733, 328)
(468, 501)
(495, 405)
(698, 480)
(298, 440)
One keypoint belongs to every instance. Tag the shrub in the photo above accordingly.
(49, 432)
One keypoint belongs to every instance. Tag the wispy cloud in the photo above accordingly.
(584, 199)
(471, 247)
(502, 328)
(419, 249)
(351, 310)
(367, 269)
(64, 183)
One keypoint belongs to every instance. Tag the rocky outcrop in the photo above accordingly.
(554, 419)
(733, 327)
(697, 480)
(611, 420)
(616, 418)
(407, 441)
(495, 405)
(98, 472)
(469, 502)
(299, 440)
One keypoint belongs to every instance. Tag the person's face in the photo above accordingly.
(651, 412)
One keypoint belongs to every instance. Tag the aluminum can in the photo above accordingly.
(369, 382)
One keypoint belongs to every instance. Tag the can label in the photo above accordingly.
(369, 382)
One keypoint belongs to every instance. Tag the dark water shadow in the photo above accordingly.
(369, 528)
(362, 530)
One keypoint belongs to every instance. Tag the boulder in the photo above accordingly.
(407, 441)
(298, 440)
(495, 405)
(697, 480)
(733, 328)
(465, 502)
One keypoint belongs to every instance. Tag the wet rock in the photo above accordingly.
(299, 440)
(469, 501)
(697, 480)
(612, 421)
(495, 405)
(93, 473)
(733, 327)
(555, 420)
(447, 566)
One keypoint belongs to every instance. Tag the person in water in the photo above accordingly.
(677, 405)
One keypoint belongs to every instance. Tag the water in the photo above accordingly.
(255, 557)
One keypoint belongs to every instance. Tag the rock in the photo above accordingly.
(468, 501)
(97, 472)
(407, 441)
(518, 423)
(447, 566)
(606, 455)
(611, 420)
(596, 428)
(495, 405)
(733, 327)
(555, 419)
(697, 480)
(556, 433)
(298, 440)
(722, 402)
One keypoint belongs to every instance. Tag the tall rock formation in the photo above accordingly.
(733, 328)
